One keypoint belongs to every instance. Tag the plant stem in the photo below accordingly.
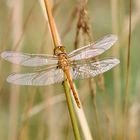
(71, 110)
(57, 42)
(55, 36)
(116, 72)
(16, 22)
(127, 75)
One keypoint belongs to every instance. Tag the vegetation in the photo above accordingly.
(110, 102)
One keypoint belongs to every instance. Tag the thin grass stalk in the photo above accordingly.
(71, 110)
(83, 122)
(57, 42)
(14, 91)
(125, 127)
(116, 73)
(54, 33)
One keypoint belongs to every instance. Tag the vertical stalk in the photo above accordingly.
(14, 90)
(54, 33)
(127, 75)
(57, 42)
(71, 110)
(116, 73)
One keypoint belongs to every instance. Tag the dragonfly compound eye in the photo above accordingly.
(58, 50)
(62, 48)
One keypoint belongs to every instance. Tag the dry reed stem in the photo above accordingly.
(14, 90)
(54, 32)
(55, 36)
(83, 122)
(125, 127)
(71, 111)
(116, 73)
(57, 42)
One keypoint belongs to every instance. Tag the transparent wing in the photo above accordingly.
(93, 69)
(93, 50)
(31, 60)
(38, 78)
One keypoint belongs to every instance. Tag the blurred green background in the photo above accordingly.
(23, 26)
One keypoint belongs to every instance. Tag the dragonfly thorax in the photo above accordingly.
(63, 62)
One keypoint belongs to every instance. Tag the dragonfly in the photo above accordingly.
(79, 64)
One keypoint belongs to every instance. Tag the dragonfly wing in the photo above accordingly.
(31, 60)
(38, 78)
(94, 49)
(93, 69)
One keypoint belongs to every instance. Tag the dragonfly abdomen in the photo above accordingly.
(72, 88)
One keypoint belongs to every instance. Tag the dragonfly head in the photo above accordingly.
(59, 50)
